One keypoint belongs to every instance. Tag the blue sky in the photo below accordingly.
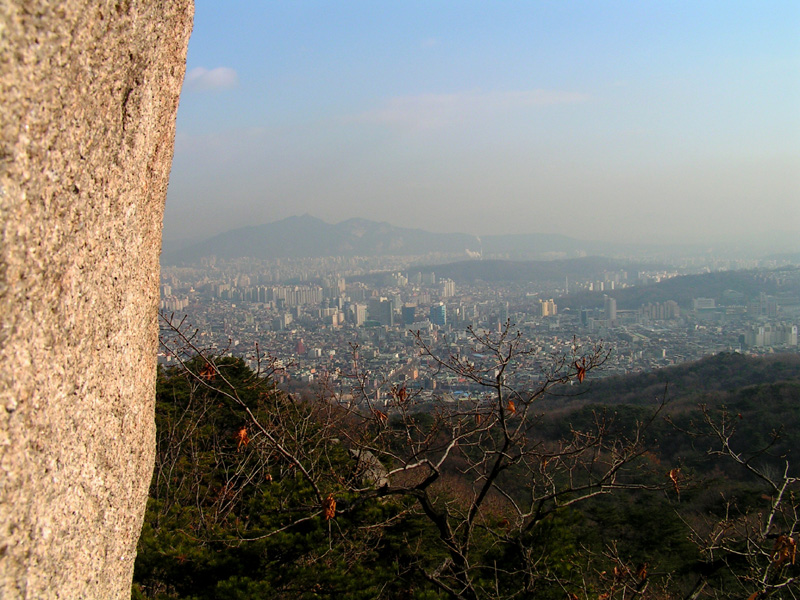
(668, 121)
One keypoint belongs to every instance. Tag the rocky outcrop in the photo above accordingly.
(88, 96)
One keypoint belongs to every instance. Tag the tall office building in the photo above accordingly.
(610, 310)
(438, 314)
(380, 310)
(409, 312)
(359, 312)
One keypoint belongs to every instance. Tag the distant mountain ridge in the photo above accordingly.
(307, 236)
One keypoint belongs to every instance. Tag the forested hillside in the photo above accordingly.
(683, 289)
(724, 372)
(675, 484)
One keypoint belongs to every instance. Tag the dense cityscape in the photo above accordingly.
(322, 318)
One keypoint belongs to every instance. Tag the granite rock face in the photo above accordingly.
(88, 97)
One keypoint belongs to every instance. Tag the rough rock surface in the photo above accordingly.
(88, 96)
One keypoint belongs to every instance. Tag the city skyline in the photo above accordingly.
(614, 121)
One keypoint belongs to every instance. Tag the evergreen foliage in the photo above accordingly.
(240, 499)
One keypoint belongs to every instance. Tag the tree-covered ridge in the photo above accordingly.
(683, 289)
(257, 492)
(723, 372)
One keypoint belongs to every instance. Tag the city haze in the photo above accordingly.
(614, 121)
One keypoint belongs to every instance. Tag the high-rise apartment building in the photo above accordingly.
(429, 278)
(448, 288)
(548, 308)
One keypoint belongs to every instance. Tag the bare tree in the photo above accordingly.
(511, 480)
(757, 549)
(473, 467)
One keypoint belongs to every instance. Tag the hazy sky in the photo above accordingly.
(664, 121)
